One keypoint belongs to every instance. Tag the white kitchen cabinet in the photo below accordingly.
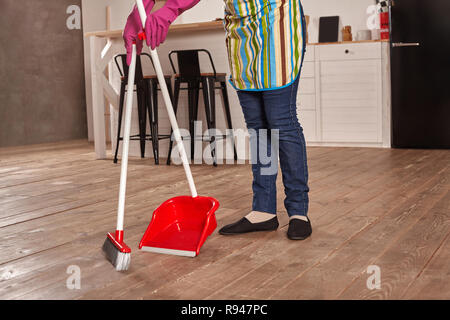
(351, 101)
(307, 120)
(306, 98)
(344, 96)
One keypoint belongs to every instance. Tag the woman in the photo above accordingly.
(266, 45)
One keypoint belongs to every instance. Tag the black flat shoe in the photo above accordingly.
(299, 229)
(245, 226)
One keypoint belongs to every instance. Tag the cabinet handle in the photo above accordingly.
(401, 44)
(347, 51)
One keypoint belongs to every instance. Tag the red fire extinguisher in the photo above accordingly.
(384, 18)
(384, 25)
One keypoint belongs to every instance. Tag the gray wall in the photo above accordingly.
(42, 94)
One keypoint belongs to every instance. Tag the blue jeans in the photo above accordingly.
(276, 109)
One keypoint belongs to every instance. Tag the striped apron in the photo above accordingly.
(265, 41)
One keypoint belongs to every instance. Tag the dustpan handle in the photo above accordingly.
(169, 107)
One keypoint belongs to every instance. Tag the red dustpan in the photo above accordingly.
(180, 225)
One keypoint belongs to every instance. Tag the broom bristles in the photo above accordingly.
(120, 260)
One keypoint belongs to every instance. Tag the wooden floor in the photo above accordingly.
(383, 207)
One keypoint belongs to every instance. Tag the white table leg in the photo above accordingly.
(98, 103)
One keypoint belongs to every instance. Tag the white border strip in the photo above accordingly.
(183, 253)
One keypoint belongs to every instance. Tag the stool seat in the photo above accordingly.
(166, 76)
(218, 75)
(154, 76)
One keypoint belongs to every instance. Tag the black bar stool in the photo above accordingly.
(147, 93)
(189, 73)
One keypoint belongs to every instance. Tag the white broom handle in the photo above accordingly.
(126, 141)
(169, 107)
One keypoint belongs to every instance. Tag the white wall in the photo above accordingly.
(205, 10)
(352, 12)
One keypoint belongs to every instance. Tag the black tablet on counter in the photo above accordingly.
(329, 29)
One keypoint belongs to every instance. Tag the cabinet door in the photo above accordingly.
(351, 100)
(307, 119)
(306, 97)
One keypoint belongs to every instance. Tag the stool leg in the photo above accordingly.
(119, 127)
(226, 103)
(176, 96)
(142, 116)
(210, 106)
(154, 123)
(149, 105)
(212, 95)
(169, 88)
(191, 107)
(195, 115)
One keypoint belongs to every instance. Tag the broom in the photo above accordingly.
(115, 249)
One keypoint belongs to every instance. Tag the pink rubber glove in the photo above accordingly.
(133, 28)
(158, 22)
